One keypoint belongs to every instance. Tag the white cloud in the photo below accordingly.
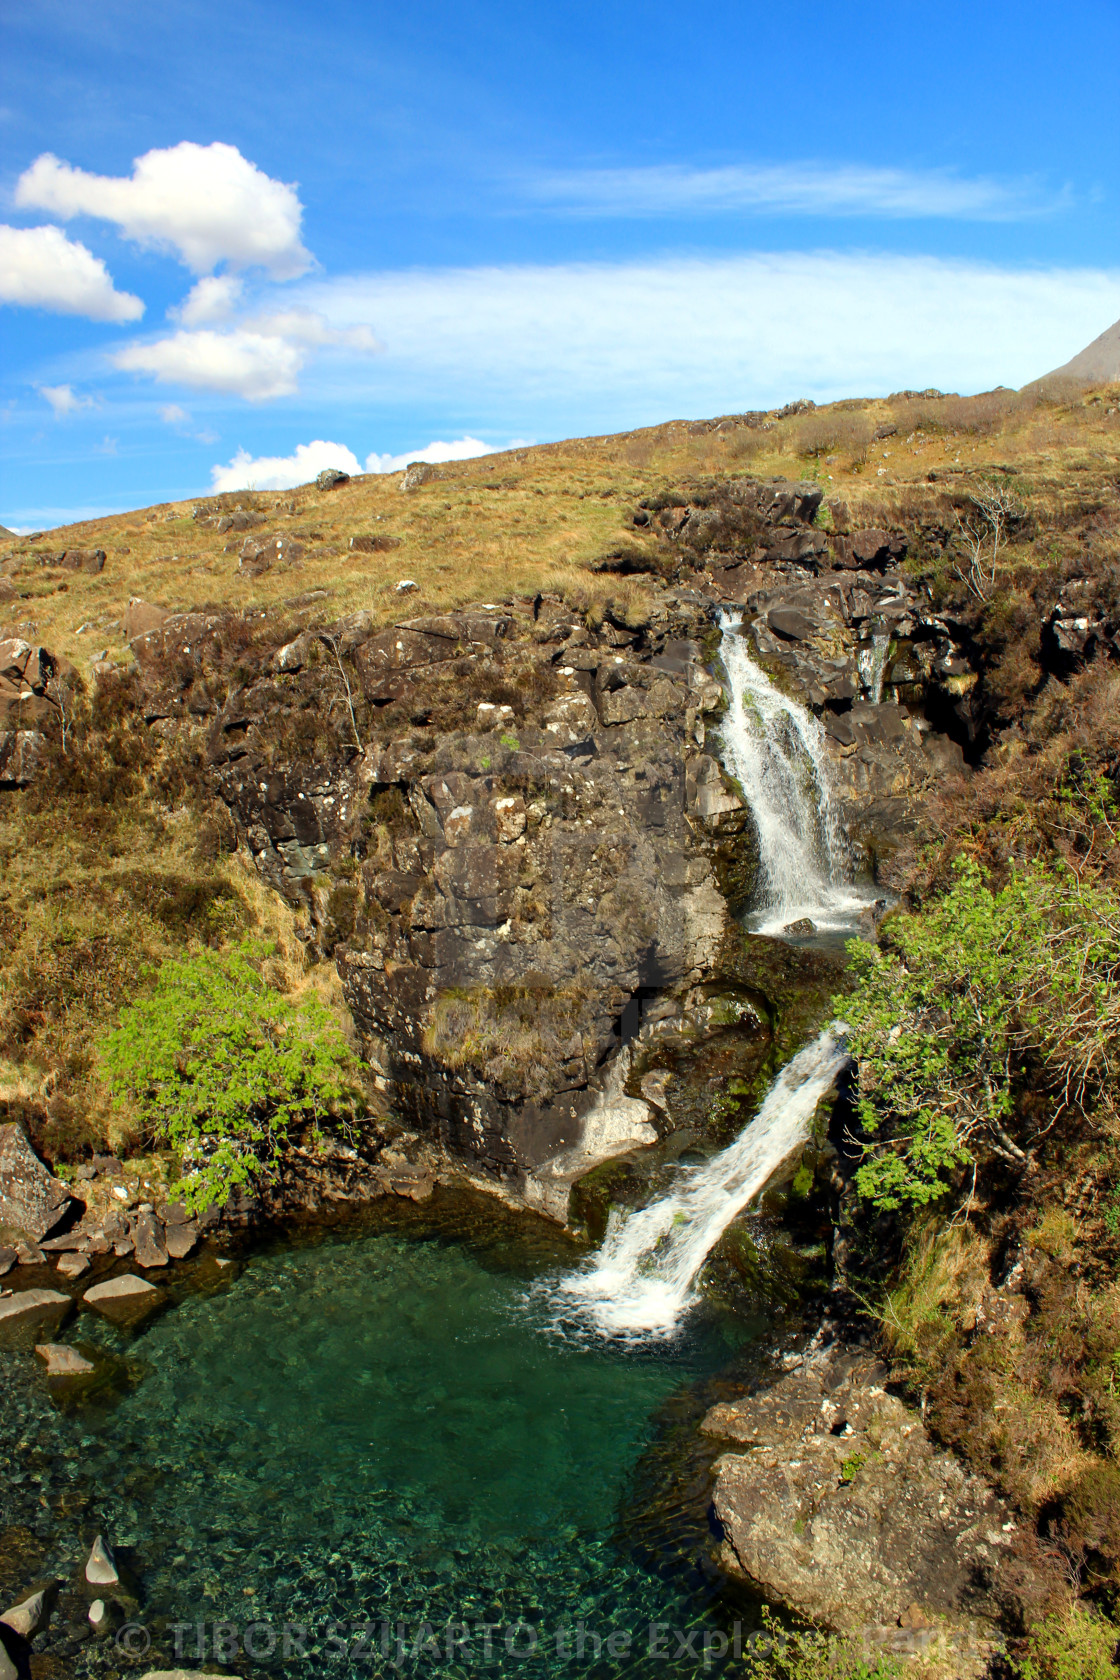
(207, 203)
(463, 449)
(307, 326)
(259, 359)
(172, 415)
(41, 269)
(64, 399)
(578, 347)
(209, 302)
(799, 189)
(282, 472)
(241, 364)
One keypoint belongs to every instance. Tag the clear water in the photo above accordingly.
(381, 1428)
(642, 1282)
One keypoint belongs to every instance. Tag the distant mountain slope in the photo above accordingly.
(1097, 364)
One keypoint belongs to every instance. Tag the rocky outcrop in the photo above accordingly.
(834, 1502)
(509, 825)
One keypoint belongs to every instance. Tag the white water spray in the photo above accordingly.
(642, 1280)
(776, 750)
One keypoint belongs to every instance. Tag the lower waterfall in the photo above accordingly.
(642, 1280)
(776, 750)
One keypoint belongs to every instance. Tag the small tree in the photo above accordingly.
(223, 1067)
(982, 532)
(947, 1016)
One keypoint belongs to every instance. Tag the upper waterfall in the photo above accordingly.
(776, 750)
(642, 1279)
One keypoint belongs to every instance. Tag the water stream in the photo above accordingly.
(776, 750)
(643, 1279)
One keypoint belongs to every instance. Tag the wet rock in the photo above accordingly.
(127, 1299)
(62, 1361)
(8, 1669)
(98, 1615)
(181, 1239)
(30, 1254)
(844, 1511)
(798, 929)
(147, 1235)
(101, 1568)
(72, 1265)
(31, 1310)
(31, 1201)
(8, 1259)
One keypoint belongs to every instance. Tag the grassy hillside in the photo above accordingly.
(534, 518)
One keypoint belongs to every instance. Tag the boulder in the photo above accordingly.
(62, 1361)
(101, 1568)
(139, 617)
(21, 756)
(836, 1504)
(148, 1239)
(260, 554)
(90, 560)
(30, 1310)
(31, 1201)
(793, 625)
(420, 472)
(72, 1265)
(126, 1299)
(8, 1669)
(330, 478)
(180, 1239)
(376, 544)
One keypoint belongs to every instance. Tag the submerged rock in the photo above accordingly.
(31, 1309)
(126, 1299)
(29, 1616)
(62, 1361)
(101, 1568)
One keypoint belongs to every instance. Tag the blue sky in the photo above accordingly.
(386, 228)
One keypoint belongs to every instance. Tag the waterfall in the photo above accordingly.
(642, 1280)
(873, 663)
(776, 750)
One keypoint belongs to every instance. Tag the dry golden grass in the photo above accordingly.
(532, 519)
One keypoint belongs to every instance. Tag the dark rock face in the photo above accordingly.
(835, 1502)
(509, 825)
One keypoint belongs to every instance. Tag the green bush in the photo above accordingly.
(968, 996)
(816, 1656)
(222, 1067)
(1076, 1644)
